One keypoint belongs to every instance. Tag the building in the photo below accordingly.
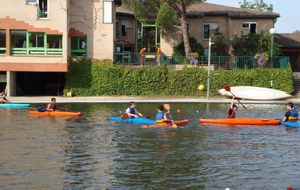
(37, 37)
(205, 18)
(290, 46)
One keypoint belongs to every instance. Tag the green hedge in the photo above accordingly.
(95, 78)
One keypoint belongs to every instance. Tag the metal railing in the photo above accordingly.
(37, 51)
(225, 62)
(2, 51)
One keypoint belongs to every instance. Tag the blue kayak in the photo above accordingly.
(291, 123)
(140, 120)
(11, 105)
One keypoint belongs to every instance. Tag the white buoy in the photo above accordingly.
(227, 188)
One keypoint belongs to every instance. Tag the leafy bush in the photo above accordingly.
(93, 78)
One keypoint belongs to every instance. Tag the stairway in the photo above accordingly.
(296, 81)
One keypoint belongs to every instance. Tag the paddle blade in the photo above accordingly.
(227, 88)
(167, 106)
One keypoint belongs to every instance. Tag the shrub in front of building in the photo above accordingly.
(102, 77)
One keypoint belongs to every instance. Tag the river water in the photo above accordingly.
(89, 152)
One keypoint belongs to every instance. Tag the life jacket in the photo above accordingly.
(231, 113)
(160, 117)
(52, 106)
(132, 111)
(294, 115)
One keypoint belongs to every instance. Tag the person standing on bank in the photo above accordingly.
(291, 114)
(132, 111)
(158, 55)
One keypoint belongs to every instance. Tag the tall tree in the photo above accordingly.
(259, 5)
(180, 7)
(148, 9)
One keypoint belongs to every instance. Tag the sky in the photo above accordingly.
(289, 10)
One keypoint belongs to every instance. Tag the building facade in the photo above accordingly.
(205, 18)
(37, 37)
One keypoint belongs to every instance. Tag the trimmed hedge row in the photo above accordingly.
(96, 78)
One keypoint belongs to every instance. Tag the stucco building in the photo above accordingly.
(37, 37)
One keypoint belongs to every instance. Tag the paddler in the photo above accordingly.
(291, 114)
(50, 106)
(232, 110)
(161, 116)
(132, 112)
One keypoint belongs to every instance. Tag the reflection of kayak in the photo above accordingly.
(139, 120)
(168, 124)
(10, 105)
(242, 121)
(54, 113)
(290, 124)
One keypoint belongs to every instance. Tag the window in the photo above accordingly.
(250, 26)
(118, 28)
(54, 41)
(43, 9)
(208, 28)
(18, 39)
(78, 46)
(107, 12)
(2, 41)
(31, 2)
(123, 30)
(36, 40)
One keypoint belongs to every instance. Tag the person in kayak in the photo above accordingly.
(291, 114)
(161, 116)
(232, 110)
(132, 112)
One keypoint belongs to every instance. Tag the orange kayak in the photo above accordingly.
(54, 113)
(242, 121)
(175, 124)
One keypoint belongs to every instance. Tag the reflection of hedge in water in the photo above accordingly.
(92, 78)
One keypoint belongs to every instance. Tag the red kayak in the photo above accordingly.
(242, 121)
(168, 124)
(54, 113)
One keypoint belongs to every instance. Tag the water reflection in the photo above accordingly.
(89, 152)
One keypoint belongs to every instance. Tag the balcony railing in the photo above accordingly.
(78, 52)
(2, 51)
(37, 51)
(225, 62)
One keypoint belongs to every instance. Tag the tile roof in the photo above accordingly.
(210, 9)
(288, 40)
(121, 10)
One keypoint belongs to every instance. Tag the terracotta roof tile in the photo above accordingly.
(288, 40)
(210, 9)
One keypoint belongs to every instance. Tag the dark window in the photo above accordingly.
(54, 41)
(18, 39)
(43, 9)
(246, 25)
(206, 31)
(123, 30)
(253, 28)
(2, 41)
(36, 40)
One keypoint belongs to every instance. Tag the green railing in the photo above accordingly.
(78, 52)
(2, 51)
(37, 51)
(225, 62)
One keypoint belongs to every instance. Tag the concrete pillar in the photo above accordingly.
(11, 83)
(7, 42)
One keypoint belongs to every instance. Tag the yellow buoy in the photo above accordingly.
(201, 87)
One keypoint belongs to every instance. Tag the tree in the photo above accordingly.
(149, 9)
(251, 44)
(167, 19)
(259, 5)
(296, 31)
(180, 7)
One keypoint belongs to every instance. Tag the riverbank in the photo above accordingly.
(142, 99)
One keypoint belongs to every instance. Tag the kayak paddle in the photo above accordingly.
(227, 88)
